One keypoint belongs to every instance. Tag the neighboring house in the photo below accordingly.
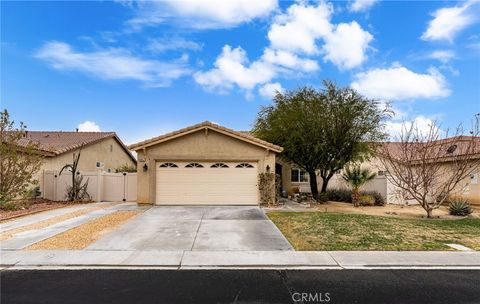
(294, 178)
(205, 164)
(100, 150)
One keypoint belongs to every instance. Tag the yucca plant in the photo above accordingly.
(78, 189)
(357, 177)
(460, 208)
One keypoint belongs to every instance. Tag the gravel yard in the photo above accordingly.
(32, 206)
(43, 224)
(85, 234)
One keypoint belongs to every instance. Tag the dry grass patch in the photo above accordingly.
(85, 234)
(334, 231)
(43, 224)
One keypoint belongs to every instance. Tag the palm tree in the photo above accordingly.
(357, 177)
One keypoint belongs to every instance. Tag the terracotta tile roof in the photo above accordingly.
(443, 148)
(53, 143)
(206, 124)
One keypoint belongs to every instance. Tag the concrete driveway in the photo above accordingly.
(174, 228)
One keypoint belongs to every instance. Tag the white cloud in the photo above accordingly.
(300, 28)
(167, 44)
(447, 22)
(361, 5)
(293, 39)
(399, 83)
(421, 123)
(88, 126)
(289, 60)
(346, 45)
(202, 14)
(232, 68)
(442, 55)
(297, 30)
(269, 90)
(112, 64)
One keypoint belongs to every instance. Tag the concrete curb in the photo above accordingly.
(13, 259)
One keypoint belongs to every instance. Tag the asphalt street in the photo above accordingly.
(240, 286)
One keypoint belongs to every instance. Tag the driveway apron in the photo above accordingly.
(196, 228)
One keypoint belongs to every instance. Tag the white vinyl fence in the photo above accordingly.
(102, 186)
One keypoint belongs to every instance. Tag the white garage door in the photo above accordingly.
(206, 183)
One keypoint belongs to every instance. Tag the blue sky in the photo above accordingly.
(144, 68)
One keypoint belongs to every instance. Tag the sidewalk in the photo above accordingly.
(238, 259)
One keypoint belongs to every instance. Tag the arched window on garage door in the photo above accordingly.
(219, 165)
(168, 165)
(244, 165)
(194, 165)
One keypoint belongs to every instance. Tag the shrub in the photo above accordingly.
(379, 200)
(460, 208)
(266, 186)
(366, 200)
(8, 205)
(32, 192)
(345, 195)
(126, 168)
(323, 197)
(340, 195)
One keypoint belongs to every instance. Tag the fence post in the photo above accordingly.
(125, 181)
(55, 185)
(99, 186)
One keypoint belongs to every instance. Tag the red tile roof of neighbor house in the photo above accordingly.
(443, 149)
(53, 143)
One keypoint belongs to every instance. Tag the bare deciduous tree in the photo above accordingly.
(430, 166)
(19, 159)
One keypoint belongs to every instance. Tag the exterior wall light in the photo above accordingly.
(145, 168)
(268, 168)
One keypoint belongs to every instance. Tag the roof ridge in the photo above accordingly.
(205, 123)
(56, 131)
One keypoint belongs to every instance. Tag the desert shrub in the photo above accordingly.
(339, 195)
(379, 200)
(345, 195)
(8, 205)
(32, 192)
(366, 200)
(126, 168)
(266, 187)
(323, 197)
(460, 208)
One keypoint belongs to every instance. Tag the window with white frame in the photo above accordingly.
(299, 176)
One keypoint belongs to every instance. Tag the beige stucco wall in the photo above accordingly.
(468, 189)
(200, 145)
(108, 151)
(379, 184)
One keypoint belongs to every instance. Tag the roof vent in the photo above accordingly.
(451, 149)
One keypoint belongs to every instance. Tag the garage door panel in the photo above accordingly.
(206, 186)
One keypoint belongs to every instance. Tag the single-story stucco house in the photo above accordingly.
(100, 150)
(207, 164)
(295, 179)
(204, 164)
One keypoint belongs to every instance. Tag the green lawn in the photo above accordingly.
(337, 231)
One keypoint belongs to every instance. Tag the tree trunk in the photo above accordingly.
(355, 197)
(325, 181)
(313, 184)
(429, 213)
